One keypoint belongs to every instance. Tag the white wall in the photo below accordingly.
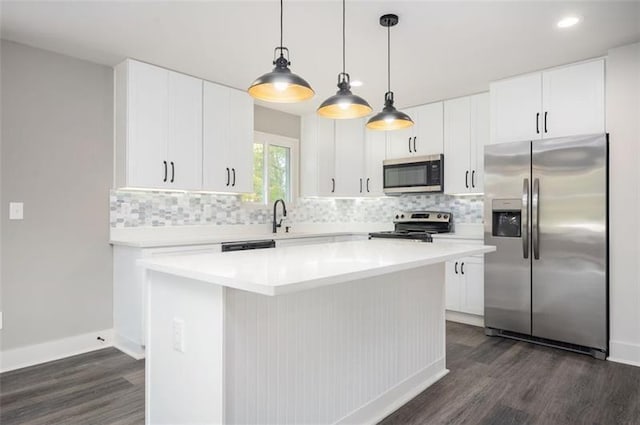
(57, 144)
(623, 125)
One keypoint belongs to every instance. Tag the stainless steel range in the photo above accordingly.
(417, 225)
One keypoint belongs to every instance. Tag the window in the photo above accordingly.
(275, 168)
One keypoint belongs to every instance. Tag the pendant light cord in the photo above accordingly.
(281, 27)
(343, 36)
(389, 58)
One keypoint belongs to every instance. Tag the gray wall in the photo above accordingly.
(57, 149)
(276, 122)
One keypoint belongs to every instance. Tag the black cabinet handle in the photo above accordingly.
(173, 172)
(473, 178)
(228, 176)
(333, 185)
(234, 177)
(466, 179)
(545, 122)
(456, 267)
(538, 123)
(461, 268)
(409, 144)
(165, 171)
(360, 185)
(414, 144)
(368, 184)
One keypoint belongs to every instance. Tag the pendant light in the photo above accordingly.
(390, 118)
(281, 85)
(344, 104)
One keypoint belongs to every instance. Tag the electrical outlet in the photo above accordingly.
(178, 335)
(16, 210)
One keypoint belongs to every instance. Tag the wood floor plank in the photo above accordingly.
(493, 381)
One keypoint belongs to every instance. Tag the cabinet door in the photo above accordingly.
(472, 273)
(216, 158)
(479, 138)
(457, 136)
(148, 126)
(240, 141)
(429, 129)
(349, 154)
(309, 155)
(452, 285)
(375, 148)
(400, 142)
(516, 106)
(573, 100)
(326, 157)
(185, 132)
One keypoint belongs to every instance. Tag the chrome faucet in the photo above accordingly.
(276, 223)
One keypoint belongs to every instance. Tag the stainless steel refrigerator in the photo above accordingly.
(546, 207)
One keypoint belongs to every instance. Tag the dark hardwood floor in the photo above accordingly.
(493, 381)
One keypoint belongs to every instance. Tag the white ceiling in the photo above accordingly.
(439, 50)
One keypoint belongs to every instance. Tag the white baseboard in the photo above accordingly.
(624, 352)
(467, 319)
(53, 350)
(128, 347)
(390, 401)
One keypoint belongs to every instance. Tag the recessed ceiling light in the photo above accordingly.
(356, 83)
(568, 21)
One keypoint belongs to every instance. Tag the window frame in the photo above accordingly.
(267, 139)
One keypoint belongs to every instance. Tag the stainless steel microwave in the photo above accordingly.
(414, 174)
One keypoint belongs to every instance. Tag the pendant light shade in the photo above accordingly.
(344, 104)
(281, 85)
(390, 118)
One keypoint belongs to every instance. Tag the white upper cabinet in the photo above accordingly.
(340, 158)
(227, 158)
(174, 131)
(158, 128)
(515, 109)
(317, 157)
(555, 103)
(425, 137)
(185, 131)
(349, 157)
(573, 100)
(375, 151)
(466, 131)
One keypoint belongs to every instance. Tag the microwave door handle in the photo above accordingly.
(535, 219)
(525, 218)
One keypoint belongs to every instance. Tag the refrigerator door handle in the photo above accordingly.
(535, 212)
(525, 218)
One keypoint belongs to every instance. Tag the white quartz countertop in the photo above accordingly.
(284, 270)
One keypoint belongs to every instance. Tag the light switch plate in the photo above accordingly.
(16, 210)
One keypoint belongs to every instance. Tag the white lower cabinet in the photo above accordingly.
(465, 285)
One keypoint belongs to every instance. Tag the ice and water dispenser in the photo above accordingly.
(506, 218)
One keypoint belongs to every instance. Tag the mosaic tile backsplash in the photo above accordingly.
(148, 208)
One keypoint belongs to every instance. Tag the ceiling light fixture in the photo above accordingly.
(568, 21)
(390, 118)
(281, 85)
(344, 104)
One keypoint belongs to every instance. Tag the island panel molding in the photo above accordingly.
(336, 354)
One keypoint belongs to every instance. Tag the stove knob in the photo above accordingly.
(439, 215)
(397, 216)
(402, 216)
(445, 216)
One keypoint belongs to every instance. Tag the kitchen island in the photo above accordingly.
(337, 333)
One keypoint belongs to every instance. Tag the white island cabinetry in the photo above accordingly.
(335, 333)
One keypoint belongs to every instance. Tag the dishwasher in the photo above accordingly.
(247, 245)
